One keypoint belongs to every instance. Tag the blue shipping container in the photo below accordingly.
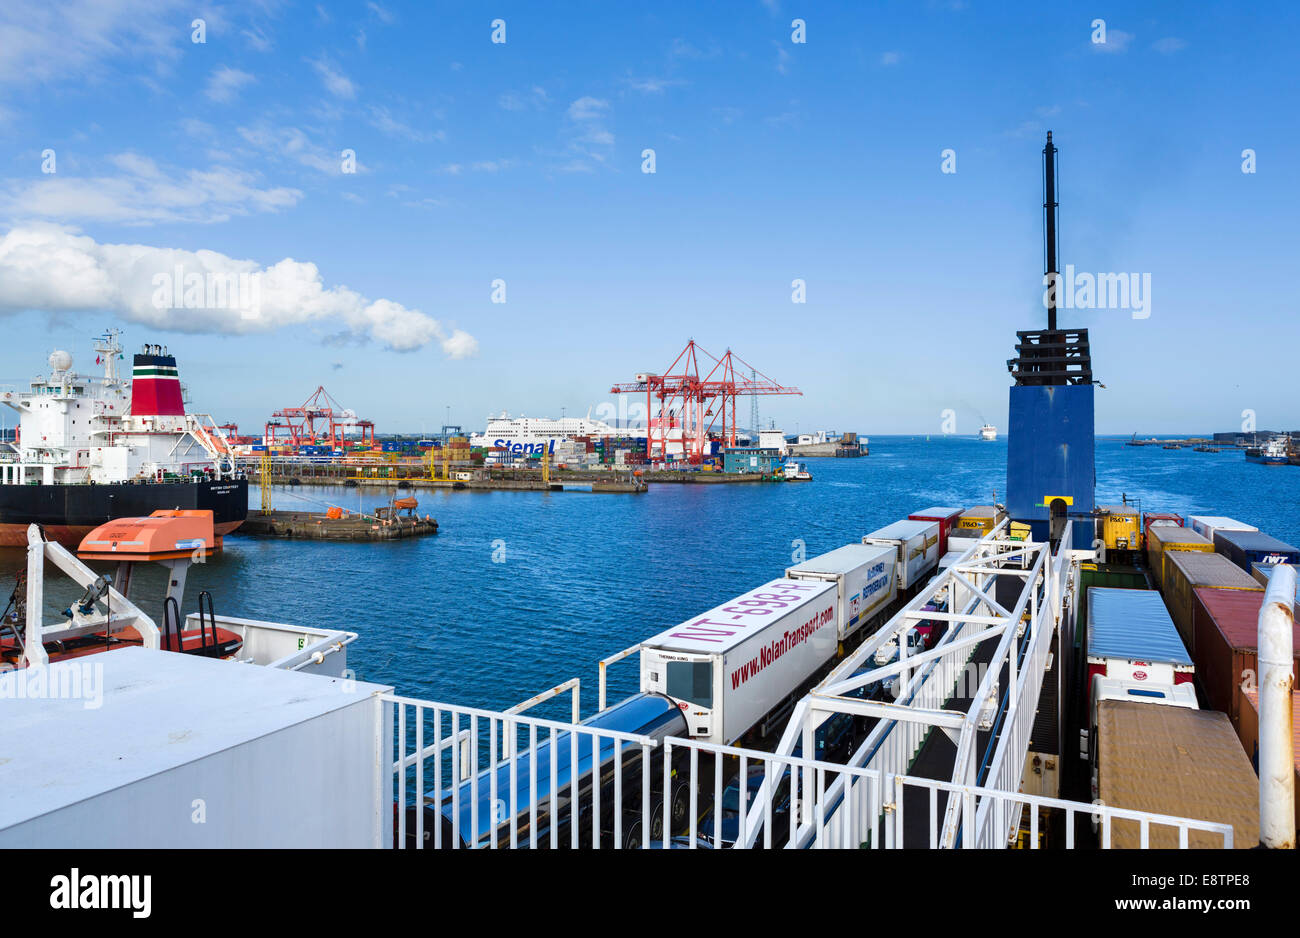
(1246, 547)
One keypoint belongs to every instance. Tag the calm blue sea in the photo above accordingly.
(520, 591)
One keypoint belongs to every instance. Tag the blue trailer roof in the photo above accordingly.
(1124, 623)
(1255, 540)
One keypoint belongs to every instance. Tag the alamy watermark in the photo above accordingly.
(209, 290)
(72, 680)
(1070, 290)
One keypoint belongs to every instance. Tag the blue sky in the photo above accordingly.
(775, 160)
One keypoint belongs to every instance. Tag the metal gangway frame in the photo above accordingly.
(444, 751)
(928, 680)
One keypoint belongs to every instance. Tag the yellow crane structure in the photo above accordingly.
(264, 481)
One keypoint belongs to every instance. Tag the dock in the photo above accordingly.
(416, 476)
(320, 526)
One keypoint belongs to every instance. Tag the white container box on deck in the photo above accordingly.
(864, 575)
(185, 751)
(916, 545)
(731, 665)
(1207, 524)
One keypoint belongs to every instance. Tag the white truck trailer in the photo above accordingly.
(729, 667)
(864, 577)
(916, 549)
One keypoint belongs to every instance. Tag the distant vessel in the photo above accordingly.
(89, 450)
(1272, 453)
(988, 432)
(795, 471)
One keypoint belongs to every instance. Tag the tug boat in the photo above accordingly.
(795, 471)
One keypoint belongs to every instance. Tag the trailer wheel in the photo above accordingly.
(632, 833)
(680, 806)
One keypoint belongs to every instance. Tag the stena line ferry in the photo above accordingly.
(528, 435)
(92, 449)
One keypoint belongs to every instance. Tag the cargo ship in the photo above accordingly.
(988, 432)
(92, 449)
(1272, 453)
(960, 678)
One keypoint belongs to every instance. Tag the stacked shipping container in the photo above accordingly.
(1187, 571)
(1162, 538)
(1225, 625)
(1247, 547)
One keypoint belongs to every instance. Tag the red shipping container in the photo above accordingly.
(1226, 626)
(1156, 516)
(947, 518)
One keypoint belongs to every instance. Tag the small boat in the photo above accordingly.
(796, 471)
(988, 432)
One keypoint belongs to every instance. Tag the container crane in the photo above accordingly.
(694, 400)
(297, 426)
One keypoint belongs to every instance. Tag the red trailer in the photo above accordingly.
(947, 518)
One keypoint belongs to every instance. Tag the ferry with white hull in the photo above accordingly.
(528, 435)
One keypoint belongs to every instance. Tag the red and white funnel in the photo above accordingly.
(155, 385)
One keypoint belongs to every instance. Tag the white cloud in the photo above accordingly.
(382, 120)
(53, 268)
(588, 108)
(257, 39)
(782, 58)
(294, 143)
(1116, 41)
(335, 82)
(44, 41)
(654, 85)
(385, 16)
(891, 58)
(225, 82)
(144, 194)
(590, 140)
(513, 101)
(1169, 45)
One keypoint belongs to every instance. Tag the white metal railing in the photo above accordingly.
(1006, 806)
(508, 795)
(604, 666)
(1008, 762)
(457, 786)
(926, 681)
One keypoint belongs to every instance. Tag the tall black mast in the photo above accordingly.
(1051, 356)
(1049, 223)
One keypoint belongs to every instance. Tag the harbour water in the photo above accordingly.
(520, 590)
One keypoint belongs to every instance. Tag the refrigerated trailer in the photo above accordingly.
(731, 666)
(864, 578)
(1131, 637)
(916, 549)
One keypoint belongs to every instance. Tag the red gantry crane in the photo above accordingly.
(299, 424)
(693, 403)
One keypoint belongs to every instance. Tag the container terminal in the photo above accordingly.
(689, 434)
(1052, 672)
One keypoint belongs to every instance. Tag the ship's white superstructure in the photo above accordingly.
(541, 434)
(988, 432)
(76, 428)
